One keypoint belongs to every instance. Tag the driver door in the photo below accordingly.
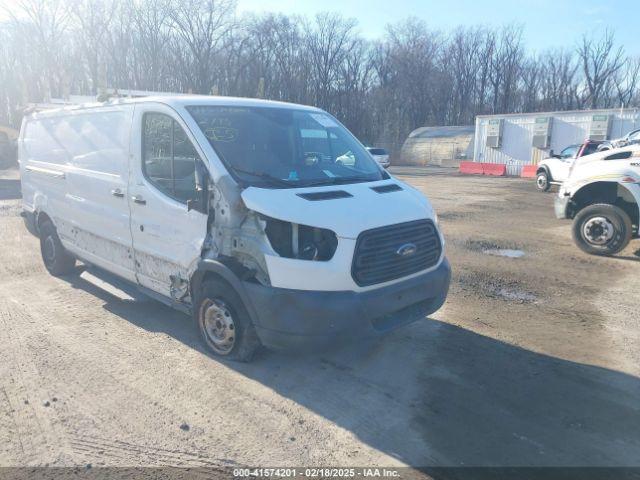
(167, 237)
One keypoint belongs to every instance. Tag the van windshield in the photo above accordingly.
(284, 148)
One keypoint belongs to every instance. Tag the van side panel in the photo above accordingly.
(42, 169)
(87, 200)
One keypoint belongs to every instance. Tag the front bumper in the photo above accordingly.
(561, 205)
(299, 319)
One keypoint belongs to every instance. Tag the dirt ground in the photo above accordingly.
(533, 361)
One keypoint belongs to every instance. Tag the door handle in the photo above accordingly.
(116, 192)
(139, 200)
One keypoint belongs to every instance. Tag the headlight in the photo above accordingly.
(303, 242)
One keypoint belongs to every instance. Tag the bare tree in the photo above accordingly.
(329, 43)
(559, 83)
(506, 64)
(601, 60)
(627, 82)
(41, 24)
(531, 80)
(93, 21)
(383, 89)
(200, 26)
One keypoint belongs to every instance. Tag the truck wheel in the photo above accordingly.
(602, 229)
(223, 322)
(543, 182)
(56, 259)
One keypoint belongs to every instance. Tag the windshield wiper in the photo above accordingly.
(264, 176)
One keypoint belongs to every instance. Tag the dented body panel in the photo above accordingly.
(370, 208)
(112, 178)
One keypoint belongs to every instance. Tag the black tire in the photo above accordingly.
(543, 182)
(219, 315)
(56, 259)
(602, 229)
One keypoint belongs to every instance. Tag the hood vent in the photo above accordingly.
(391, 187)
(317, 196)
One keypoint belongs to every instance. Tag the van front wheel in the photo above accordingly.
(602, 229)
(56, 259)
(223, 322)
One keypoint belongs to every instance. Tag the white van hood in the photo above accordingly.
(347, 217)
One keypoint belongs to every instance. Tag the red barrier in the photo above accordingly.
(471, 168)
(529, 171)
(494, 169)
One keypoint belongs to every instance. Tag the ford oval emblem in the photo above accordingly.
(407, 249)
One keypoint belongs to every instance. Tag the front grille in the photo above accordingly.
(378, 258)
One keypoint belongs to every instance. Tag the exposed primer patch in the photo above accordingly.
(504, 252)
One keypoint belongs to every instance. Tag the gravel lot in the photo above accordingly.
(533, 361)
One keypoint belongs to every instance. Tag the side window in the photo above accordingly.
(568, 152)
(619, 156)
(168, 157)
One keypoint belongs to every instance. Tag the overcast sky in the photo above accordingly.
(547, 23)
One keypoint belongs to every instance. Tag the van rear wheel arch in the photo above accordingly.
(41, 219)
(56, 259)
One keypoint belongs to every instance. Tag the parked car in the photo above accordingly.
(602, 196)
(380, 155)
(629, 139)
(238, 212)
(555, 169)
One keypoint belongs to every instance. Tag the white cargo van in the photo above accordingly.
(237, 211)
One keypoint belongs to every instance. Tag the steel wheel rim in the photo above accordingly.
(598, 231)
(217, 324)
(542, 181)
(49, 250)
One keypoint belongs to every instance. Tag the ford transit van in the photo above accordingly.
(268, 222)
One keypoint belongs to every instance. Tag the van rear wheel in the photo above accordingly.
(56, 259)
(602, 229)
(223, 322)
